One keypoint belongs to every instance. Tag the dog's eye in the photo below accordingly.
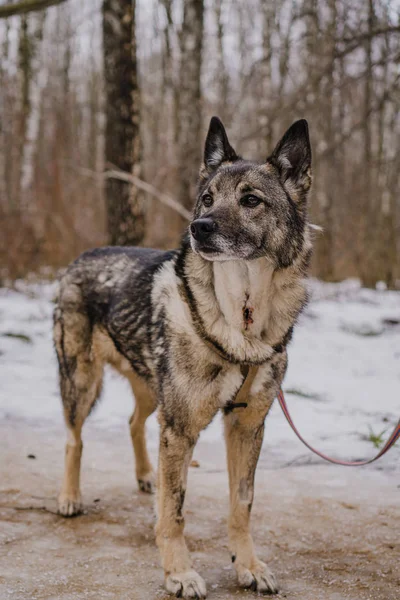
(207, 200)
(250, 201)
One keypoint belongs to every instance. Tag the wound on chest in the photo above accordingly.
(247, 311)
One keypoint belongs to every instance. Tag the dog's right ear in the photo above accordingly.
(292, 159)
(217, 149)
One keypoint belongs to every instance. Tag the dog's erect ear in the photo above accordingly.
(292, 158)
(217, 149)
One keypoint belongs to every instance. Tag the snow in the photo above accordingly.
(342, 383)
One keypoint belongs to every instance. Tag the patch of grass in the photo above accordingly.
(18, 336)
(301, 394)
(377, 439)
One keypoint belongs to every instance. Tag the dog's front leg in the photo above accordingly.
(244, 432)
(176, 450)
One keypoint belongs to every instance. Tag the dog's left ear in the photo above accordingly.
(217, 149)
(292, 159)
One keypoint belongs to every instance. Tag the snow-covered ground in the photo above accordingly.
(342, 385)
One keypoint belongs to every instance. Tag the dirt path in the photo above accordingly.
(328, 533)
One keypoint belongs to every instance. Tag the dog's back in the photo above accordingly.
(108, 290)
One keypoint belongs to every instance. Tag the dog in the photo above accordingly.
(195, 330)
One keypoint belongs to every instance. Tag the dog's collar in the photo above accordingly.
(249, 373)
(187, 296)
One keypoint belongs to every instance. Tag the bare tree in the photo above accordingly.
(222, 75)
(125, 202)
(268, 20)
(328, 171)
(190, 106)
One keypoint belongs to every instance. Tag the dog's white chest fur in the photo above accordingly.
(243, 291)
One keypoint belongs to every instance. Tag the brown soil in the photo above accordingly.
(328, 533)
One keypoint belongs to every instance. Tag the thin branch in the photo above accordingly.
(142, 185)
(26, 6)
(150, 189)
(357, 39)
(39, 508)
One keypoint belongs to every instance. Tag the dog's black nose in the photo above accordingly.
(202, 228)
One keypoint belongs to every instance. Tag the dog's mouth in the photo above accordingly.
(206, 249)
(212, 254)
(215, 247)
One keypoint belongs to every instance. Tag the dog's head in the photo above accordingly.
(244, 209)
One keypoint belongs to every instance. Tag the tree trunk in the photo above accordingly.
(30, 65)
(25, 52)
(6, 130)
(190, 100)
(222, 73)
(328, 172)
(125, 203)
(369, 267)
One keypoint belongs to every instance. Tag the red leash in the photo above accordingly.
(347, 463)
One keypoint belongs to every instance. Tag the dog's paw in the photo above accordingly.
(69, 505)
(259, 578)
(147, 483)
(188, 584)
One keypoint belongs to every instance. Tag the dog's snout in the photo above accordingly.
(202, 228)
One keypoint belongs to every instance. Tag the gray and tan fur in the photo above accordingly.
(183, 326)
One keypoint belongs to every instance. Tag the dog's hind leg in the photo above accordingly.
(145, 405)
(69, 499)
(80, 383)
(244, 431)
